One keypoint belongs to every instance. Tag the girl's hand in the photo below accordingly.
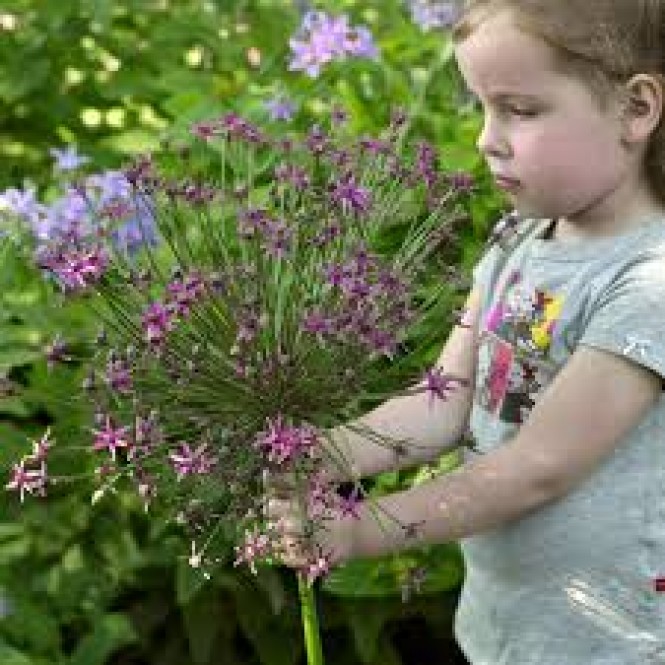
(328, 545)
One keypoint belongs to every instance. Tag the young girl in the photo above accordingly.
(564, 338)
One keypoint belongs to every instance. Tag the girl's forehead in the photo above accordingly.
(498, 54)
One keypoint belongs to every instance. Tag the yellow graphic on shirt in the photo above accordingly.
(541, 332)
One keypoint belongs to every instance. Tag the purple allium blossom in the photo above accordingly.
(68, 158)
(350, 196)
(111, 438)
(32, 481)
(318, 566)
(323, 38)
(109, 186)
(317, 323)
(438, 384)
(186, 461)
(282, 443)
(432, 14)
(118, 376)
(281, 109)
(182, 294)
(255, 546)
(80, 268)
(157, 320)
(293, 175)
(40, 448)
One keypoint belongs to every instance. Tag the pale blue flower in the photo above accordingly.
(434, 14)
(281, 109)
(322, 38)
(68, 159)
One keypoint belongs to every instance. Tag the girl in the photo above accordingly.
(564, 339)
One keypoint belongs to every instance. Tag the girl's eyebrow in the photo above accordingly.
(504, 96)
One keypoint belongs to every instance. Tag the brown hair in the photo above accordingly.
(602, 42)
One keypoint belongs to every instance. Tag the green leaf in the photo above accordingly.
(11, 656)
(203, 619)
(133, 141)
(383, 577)
(110, 633)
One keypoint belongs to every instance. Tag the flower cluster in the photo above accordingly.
(268, 311)
(323, 38)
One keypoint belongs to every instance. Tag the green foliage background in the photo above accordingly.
(88, 585)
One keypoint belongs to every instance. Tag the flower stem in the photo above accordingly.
(310, 622)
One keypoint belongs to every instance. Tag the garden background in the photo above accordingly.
(84, 584)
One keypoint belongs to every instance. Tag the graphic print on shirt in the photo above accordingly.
(513, 356)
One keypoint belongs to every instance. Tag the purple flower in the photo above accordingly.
(186, 461)
(118, 376)
(318, 566)
(22, 203)
(79, 269)
(32, 481)
(283, 443)
(255, 545)
(316, 323)
(350, 196)
(157, 320)
(68, 159)
(281, 109)
(438, 384)
(323, 38)
(430, 14)
(111, 438)
(109, 186)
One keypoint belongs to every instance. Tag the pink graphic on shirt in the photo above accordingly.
(495, 317)
(499, 374)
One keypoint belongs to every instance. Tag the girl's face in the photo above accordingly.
(542, 129)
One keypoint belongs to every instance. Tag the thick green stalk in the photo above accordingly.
(310, 622)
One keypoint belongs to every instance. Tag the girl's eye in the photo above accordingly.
(523, 113)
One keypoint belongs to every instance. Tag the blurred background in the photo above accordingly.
(100, 81)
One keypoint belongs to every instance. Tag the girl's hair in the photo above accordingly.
(601, 42)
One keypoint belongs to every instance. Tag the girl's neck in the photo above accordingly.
(591, 224)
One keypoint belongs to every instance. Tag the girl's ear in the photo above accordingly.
(642, 108)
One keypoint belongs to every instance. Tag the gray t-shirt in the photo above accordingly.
(541, 590)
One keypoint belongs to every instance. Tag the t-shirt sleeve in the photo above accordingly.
(629, 316)
(483, 269)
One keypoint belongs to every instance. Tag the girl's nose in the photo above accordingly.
(491, 142)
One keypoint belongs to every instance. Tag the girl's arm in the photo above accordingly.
(427, 426)
(585, 413)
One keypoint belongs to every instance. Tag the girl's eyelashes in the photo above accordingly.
(522, 113)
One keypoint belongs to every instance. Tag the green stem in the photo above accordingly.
(310, 622)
